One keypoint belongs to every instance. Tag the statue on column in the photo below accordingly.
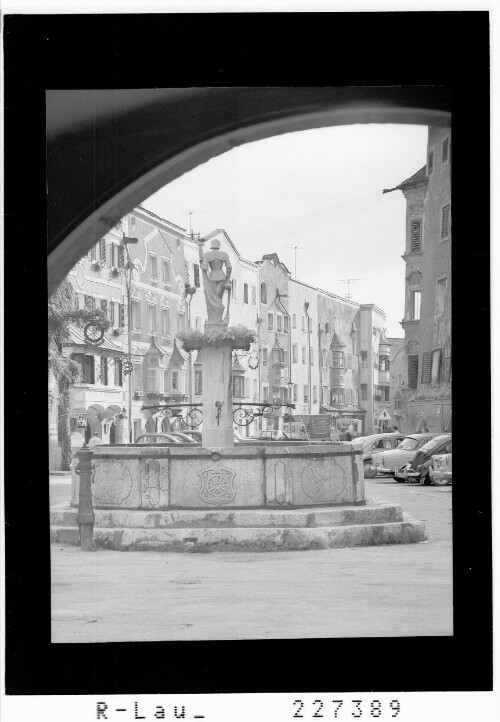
(215, 281)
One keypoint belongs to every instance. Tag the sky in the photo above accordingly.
(319, 190)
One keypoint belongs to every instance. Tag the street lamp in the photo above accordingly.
(129, 266)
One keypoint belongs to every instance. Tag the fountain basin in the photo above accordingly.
(248, 476)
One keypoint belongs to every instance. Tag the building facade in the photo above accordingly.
(427, 319)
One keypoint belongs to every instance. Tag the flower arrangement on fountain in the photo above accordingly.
(240, 337)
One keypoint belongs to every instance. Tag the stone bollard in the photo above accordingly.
(85, 517)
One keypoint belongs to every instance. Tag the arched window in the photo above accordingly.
(263, 292)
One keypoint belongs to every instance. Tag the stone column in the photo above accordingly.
(217, 387)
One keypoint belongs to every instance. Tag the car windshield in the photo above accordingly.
(429, 445)
(408, 444)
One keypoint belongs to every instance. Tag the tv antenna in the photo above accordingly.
(348, 282)
(190, 214)
(294, 248)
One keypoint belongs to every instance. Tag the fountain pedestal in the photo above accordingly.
(217, 389)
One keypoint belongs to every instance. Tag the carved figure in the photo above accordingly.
(215, 280)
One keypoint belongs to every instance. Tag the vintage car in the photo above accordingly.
(440, 469)
(375, 443)
(390, 462)
(418, 469)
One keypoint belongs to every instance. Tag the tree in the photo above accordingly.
(63, 371)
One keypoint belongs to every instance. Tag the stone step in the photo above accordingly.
(247, 538)
(241, 518)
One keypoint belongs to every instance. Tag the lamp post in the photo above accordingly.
(129, 266)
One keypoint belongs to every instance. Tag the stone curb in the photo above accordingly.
(248, 539)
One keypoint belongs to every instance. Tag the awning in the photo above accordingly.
(78, 339)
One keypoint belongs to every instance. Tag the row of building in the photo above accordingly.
(321, 352)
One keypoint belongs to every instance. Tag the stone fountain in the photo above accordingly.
(260, 496)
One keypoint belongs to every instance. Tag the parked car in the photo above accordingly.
(272, 435)
(440, 469)
(419, 467)
(390, 462)
(373, 444)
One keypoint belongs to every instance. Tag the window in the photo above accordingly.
(78, 358)
(440, 296)
(104, 370)
(412, 372)
(445, 150)
(311, 357)
(121, 311)
(104, 306)
(245, 293)
(118, 372)
(254, 296)
(270, 321)
(416, 299)
(430, 162)
(364, 392)
(279, 322)
(89, 370)
(364, 360)
(111, 313)
(198, 383)
(426, 367)
(239, 386)
(306, 393)
(294, 321)
(338, 396)
(436, 367)
(153, 265)
(151, 318)
(175, 381)
(233, 288)
(165, 321)
(416, 235)
(338, 359)
(323, 357)
(327, 327)
(165, 270)
(315, 394)
(286, 324)
(151, 381)
(265, 356)
(136, 317)
(385, 391)
(398, 404)
(89, 303)
(116, 255)
(347, 397)
(295, 393)
(295, 353)
(303, 323)
(263, 292)
(265, 393)
(445, 221)
(324, 396)
(383, 363)
(102, 250)
(303, 354)
(93, 253)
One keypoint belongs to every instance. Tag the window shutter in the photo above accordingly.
(445, 221)
(121, 256)
(102, 249)
(109, 255)
(416, 236)
(446, 369)
(412, 371)
(426, 367)
(444, 156)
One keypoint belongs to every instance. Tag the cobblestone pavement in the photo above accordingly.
(401, 590)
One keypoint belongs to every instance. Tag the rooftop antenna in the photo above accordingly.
(190, 214)
(348, 281)
(294, 248)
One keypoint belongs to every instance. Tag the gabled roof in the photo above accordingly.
(274, 258)
(336, 341)
(237, 367)
(418, 178)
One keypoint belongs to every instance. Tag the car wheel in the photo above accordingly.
(370, 471)
(436, 481)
